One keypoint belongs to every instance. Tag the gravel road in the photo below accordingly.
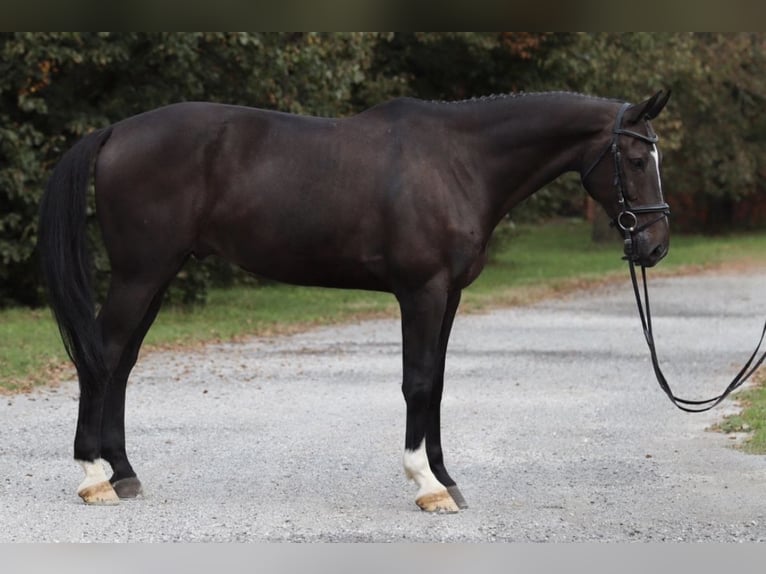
(553, 427)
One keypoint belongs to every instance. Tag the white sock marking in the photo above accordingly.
(94, 473)
(416, 466)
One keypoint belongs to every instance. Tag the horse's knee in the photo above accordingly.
(417, 392)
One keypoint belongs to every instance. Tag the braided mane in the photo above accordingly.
(515, 95)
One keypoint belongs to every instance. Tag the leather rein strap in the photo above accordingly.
(627, 222)
(644, 312)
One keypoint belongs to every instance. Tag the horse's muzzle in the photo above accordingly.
(655, 256)
(643, 253)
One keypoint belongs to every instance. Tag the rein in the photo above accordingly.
(644, 312)
(627, 221)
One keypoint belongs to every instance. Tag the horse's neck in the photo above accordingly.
(526, 142)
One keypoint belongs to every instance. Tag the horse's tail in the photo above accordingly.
(62, 245)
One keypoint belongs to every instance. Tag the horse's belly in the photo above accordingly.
(318, 272)
(320, 262)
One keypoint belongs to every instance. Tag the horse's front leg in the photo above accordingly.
(433, 430)
(422, 318)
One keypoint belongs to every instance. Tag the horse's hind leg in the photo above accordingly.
(124, 479)
(124, 310)
(433, 430)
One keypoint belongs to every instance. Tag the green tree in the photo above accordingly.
(455, 65)
(712, 129)
(719, 162)
(55, 87)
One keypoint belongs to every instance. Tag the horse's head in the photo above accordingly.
(622, 172)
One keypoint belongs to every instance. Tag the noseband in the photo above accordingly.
(627, 216)
(627, 221)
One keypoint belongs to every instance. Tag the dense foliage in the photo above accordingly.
(55, 87)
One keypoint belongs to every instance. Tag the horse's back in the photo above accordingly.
(298, 198)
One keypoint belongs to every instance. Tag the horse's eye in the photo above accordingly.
(637, 162)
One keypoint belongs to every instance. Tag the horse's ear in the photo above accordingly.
(649, 109)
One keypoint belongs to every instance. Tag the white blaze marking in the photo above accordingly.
(417, 468)
(655, 154)
(94, 473)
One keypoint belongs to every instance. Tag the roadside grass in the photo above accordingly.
(751, 422)
(531, 264)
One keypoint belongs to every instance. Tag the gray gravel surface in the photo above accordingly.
(553, 427)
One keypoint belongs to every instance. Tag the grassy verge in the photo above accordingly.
(751, 421)
(537, 262)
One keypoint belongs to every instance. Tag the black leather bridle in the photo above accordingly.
(627, 222)
(626, 219)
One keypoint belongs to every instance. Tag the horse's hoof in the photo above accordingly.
(100, 493)
(129, 487)
(440, 502)
(457, 496)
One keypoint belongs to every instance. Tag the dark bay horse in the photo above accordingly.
(400, 198)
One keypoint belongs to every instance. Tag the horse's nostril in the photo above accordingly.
(654, 256)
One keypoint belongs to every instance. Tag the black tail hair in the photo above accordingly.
(62, 245)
